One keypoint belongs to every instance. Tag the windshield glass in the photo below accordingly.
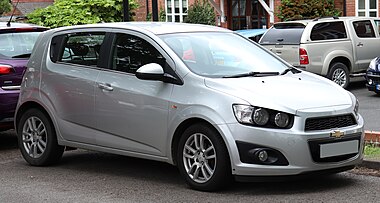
(221, 54)
(13, 45)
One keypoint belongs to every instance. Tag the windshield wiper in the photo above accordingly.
(22, 55)
(292, 69)
(252, 74)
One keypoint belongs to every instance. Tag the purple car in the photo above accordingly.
(16, 44)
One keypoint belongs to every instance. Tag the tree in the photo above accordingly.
(5, 6)
(77, 12)
(201, 12)
(306, 9)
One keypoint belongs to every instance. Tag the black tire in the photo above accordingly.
(220, 166)
(37, 139)
(339, 74)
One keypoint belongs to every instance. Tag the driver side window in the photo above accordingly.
(131, 52)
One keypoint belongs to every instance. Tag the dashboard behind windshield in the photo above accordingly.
(214, 54)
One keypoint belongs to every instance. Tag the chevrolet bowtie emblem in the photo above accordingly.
(337, 134)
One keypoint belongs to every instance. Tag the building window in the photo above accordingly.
(367, 8)
(176, 10)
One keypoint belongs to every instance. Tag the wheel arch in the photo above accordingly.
(343, 60)
(30, 105)
(180, 130)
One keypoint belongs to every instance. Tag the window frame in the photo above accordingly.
(367, 10)
(181, 14)
(57, 47)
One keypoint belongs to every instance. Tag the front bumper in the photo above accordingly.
(295, 145)
(373, 82)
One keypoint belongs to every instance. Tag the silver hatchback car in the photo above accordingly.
(202, 98)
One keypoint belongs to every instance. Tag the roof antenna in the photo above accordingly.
(10, 19)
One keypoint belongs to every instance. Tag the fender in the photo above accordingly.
(334, 54)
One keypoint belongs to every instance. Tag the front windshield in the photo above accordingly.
(214, 54)
(17, 44)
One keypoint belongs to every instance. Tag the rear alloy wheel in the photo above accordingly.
(37, 139)
(203, 159)
(339, 74)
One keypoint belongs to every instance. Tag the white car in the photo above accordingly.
(155, 91)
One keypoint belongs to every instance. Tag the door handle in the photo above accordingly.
(359, 44)
(105, 86)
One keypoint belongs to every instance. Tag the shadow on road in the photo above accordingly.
(162, 174)
(8, 140)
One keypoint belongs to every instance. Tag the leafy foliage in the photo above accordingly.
(76, 12)
(5, 6)
(306, 9)
(201, 12)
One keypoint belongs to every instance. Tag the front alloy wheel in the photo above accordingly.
(199, 158)
(203, 159)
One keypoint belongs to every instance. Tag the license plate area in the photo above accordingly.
(339, 148)
(335, 149)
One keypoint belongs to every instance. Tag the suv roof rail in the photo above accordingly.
(317, 18)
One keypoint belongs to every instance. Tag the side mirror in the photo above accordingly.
(154, 71)
(151, 71)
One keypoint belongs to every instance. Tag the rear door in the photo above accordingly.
(366, 42)
(283, 39)
(70, 81)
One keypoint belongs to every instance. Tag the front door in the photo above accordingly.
(247, 14)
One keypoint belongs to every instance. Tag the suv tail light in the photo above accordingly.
(304, 58)
(6, 69)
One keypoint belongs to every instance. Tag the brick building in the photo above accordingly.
(232, 14)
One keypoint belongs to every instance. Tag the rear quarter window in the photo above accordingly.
(328, 31)
(283, 35)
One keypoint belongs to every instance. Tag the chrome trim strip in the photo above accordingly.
(11, 87)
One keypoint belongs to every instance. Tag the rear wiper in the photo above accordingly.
(292, 69)
(252, 74)
(22, 55)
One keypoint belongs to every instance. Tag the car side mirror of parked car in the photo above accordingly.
(154, 71)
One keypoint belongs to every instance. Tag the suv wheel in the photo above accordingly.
(37, 139)
(203, 158)
(339, 74)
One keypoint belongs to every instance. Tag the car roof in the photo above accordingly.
(3, 25)
(251, 32)
(156, 28)
(322, 19)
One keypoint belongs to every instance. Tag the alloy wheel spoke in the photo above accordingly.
(196, 142)
(190, 149)
(196, 172)
(208, 168)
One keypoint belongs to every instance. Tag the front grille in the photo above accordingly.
(332, 122)
(315, 148)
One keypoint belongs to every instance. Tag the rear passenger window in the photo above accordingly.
(328, 30)
(131, 52)
(79, 48)
(364, 29)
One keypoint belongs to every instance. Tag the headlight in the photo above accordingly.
(373, 64)
(356, 109)
(262, 117)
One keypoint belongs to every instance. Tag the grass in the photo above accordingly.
(370, 151)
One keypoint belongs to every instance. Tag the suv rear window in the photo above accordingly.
(283, 33)
(328, 30)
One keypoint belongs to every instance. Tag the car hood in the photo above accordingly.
(289, 93)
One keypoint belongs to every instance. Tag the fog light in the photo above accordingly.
(370, 81)
(263, 155)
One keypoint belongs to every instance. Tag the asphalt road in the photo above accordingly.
(85, 176)
(369, 105)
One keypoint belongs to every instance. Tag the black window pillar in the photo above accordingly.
(154, 10)
(125, 10)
